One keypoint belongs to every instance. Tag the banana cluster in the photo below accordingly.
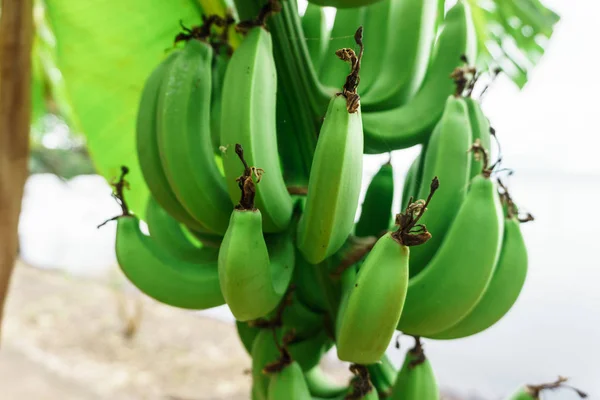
(226, 225)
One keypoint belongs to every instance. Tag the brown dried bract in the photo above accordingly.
(410, 232)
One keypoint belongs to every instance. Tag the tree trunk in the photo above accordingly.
(16, 35)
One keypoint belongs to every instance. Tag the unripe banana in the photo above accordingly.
(314, 26)
(456, 278)
(248, 118)
(253, 279)
(376, 212)
(371, 313)
(306, 279)
(157, 273)
(333, 72)
(480, 126)
(383, 374)
(503, 290)
(184, 137)
(147, 146)
(412, 181)
(320, 385)
(448, 158)
(412, 123)
(533, 392)
(220, 64)
(289, 384)
(246, 334)
(416, 380)
(334, 183)
(408, 30)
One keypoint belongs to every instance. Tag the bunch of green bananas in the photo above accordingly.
(229, 224)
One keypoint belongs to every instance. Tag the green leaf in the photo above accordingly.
(105, 50)
(512, 34)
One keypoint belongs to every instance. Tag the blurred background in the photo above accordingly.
(78, 330)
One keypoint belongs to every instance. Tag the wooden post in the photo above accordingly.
(16, 36)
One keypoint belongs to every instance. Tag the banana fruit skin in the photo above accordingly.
(412, 182)
(408, 30)
(314, 26)
(480, 126)
(376, 211)
(249, 118)
(383, 375)
(160, 275)
(333, 72)
(368, 318)
(184, 137)
(289, 383)
(416, 380)
(446, 157)
(220, 64)
(147, 146)
(343, 3)
(252, 278)
(321, 386)
(168, 233)
(411, 124)
(456, 278)
(503, 290)
(334, 184)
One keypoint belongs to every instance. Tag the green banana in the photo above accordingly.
(343, 3)
(410, 124)
(160, 275)
(314, 26)
(247, 334)
(320, 385)
(405, 31)
(456, 278)
(416, 380)
(264, 351)
(288, 383)
(412, 182)
(376, 211)
(306, 280)
(219, 67)
(448, 158)
(368, 318)
(503, 290)
(332, 72)
(248, 118)
(481, 130)
(383, 374)
(334, 183)
(253, 278)
(361, 386)
(147, 146)
(168, 233)
(184, 139)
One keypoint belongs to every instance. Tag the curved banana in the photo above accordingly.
(376, 212)
(333, 72)
(416, 380)
(383, 374)
(264, 351)
(480, 126)
(410, 124)
(253, 278)
(456, 278)
(168, 233)
(334, 183)
(320, 385)
(448, 158)
(157, 273)
(503, 290)
(314, 26)
(288, 383)
(308, 352)
(248, 118)
(306, 281)
(399, 41)
(184, 139)
(147, 146)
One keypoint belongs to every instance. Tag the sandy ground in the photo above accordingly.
(66, 339)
